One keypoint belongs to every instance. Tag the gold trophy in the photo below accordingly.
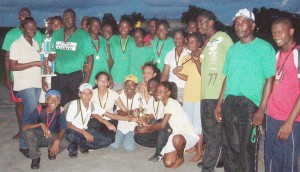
(140, 112)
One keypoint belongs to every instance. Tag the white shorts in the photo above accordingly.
(191, 140)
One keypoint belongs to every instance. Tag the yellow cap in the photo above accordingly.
(131, 78)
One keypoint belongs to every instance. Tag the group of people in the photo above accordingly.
(193, 92)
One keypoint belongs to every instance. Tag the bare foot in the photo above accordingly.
(191, 150)
(178, 162)
(16, 136)
(196, 158)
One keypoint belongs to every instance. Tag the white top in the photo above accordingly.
(108, 100)
(23, 52)
(82, 119)
(125, 126)
(178, 121)
(155, 107)
(171, 61)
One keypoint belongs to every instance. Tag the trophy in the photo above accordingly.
(49, 68)
(140, 112)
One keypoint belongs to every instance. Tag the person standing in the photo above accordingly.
(249, 69)
(212, 60)
(73, 48)
(282, 145)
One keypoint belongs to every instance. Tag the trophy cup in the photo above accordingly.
(140, 112)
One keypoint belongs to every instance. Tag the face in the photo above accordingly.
(243, 27)
(130, 87)
(152, 27)
(52, 102)
(94, 27)
(69, 20)
(179, 39)
(102, 82)
(55, 24)
(162, 31)
(148, 73)
(193, 43)
(23, 14)
(29, 29)
(282, 34)
(84, 25)
(151, 87)
(138, 37)
(86, 95)
(107, 32)
(162, 93)
(204, 25)
(192, 27)
(124, 28)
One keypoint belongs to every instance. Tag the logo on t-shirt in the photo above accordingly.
(60, 45)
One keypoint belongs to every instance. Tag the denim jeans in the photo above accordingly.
(30, 97)
(127, 140)
(281, 156)
(193, 110)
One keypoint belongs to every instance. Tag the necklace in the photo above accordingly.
(123, 47)
(97, 47)
(159, 52)
(47, 119)
(68, 36)
(103, 107)
(131, 102)
(155, 111)
(177, 56)
(83, 121)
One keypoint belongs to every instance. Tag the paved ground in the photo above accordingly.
(98, 160)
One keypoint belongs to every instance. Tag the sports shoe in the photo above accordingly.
(35, 163)
(155, 158)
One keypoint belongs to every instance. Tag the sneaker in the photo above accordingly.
(35, 163)
(155, 158)
(25, 152)
(84, 151)
(51, 157)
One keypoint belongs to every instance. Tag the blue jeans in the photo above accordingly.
(281, 156)
(30, 97)
(128, 138)
(193, 110)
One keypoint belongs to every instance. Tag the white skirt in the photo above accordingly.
(191, 140)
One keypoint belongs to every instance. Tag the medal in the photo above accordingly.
(159, 52)
(277, 77)
(97, 57)
(158, 61)
(124, 57)
(97, 48)
(123, 47)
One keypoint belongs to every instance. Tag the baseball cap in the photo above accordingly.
(53, 92)
(131, 78)
(85, 86)
(245, 13)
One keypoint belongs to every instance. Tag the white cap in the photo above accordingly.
(245, 13)
(85, 86)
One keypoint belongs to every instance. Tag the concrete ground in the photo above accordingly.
(105, 160)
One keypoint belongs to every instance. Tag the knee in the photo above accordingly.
(28, 134)
(178, 140)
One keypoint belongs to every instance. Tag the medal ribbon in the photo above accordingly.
(47, 117)
(123, 47)
(66, 38)
(131, 103)
(105, 100)
(83, 121)
(277, 66)
(155, 111)
(98, 47)
(177, 57)
(159, 52)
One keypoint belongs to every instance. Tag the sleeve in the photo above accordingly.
(169, 109)
(71, 112)
(167, 59)
(7, 42)
(185, 69)
(98, 110)
(226, 63)
(39, 38)
(14, 51)
(62, 121)
(228, 42)
(268, 61)
(88, 46)
(297, 61)
(33, 118)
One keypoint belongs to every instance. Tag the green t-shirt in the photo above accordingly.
(119, 69)
(212, 61)
(71, 55)
(15, 34)
(246, 67)
(163, 47)
(138, 57)
(100, 60)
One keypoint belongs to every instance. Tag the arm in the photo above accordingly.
(165, 73)
(101, 120)
(45, 129)
(179, 75)
(196, 58)
(7, 70)
(55, 146)
(157, 126)
(89, 62)
(286, 127)
(259, 115)
(120, 104)
(119, 117)
(217, 110)
(87, 135)
(15, 66)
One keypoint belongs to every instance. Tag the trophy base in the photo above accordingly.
(45, 75)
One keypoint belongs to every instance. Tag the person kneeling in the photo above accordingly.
(79, 113)
(46, 127)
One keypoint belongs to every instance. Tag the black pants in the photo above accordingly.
(102, 128)
(212, 132)
(239, 152)
(157, 139)
(67, 85)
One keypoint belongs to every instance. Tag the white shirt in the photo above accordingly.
(23, 52)
(134, 103)
(155, 107)
(82, 119)
(107, 101)
(171, 61)
(178, 121)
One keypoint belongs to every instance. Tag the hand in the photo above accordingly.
(8, 82)
(196, 54)
(44, 84)
(284, 131)
(47, 132)
(88, 136)
(87, 68)
(217, 113)
(177, 69)
(51, 57)
(54, 148)
(132, 118)
(39, 64)
(132, 112)
(258, 118)
(141, 130)
(110, 126)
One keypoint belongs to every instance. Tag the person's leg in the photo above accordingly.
(58, 83)
(73, 81)
(100, 140)
(129, 143)
(170, 158)
(32, 138)
(179, 143)
(72, 136)
(19, 110)
(196, 121)
(118, 141)
(212, 131)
